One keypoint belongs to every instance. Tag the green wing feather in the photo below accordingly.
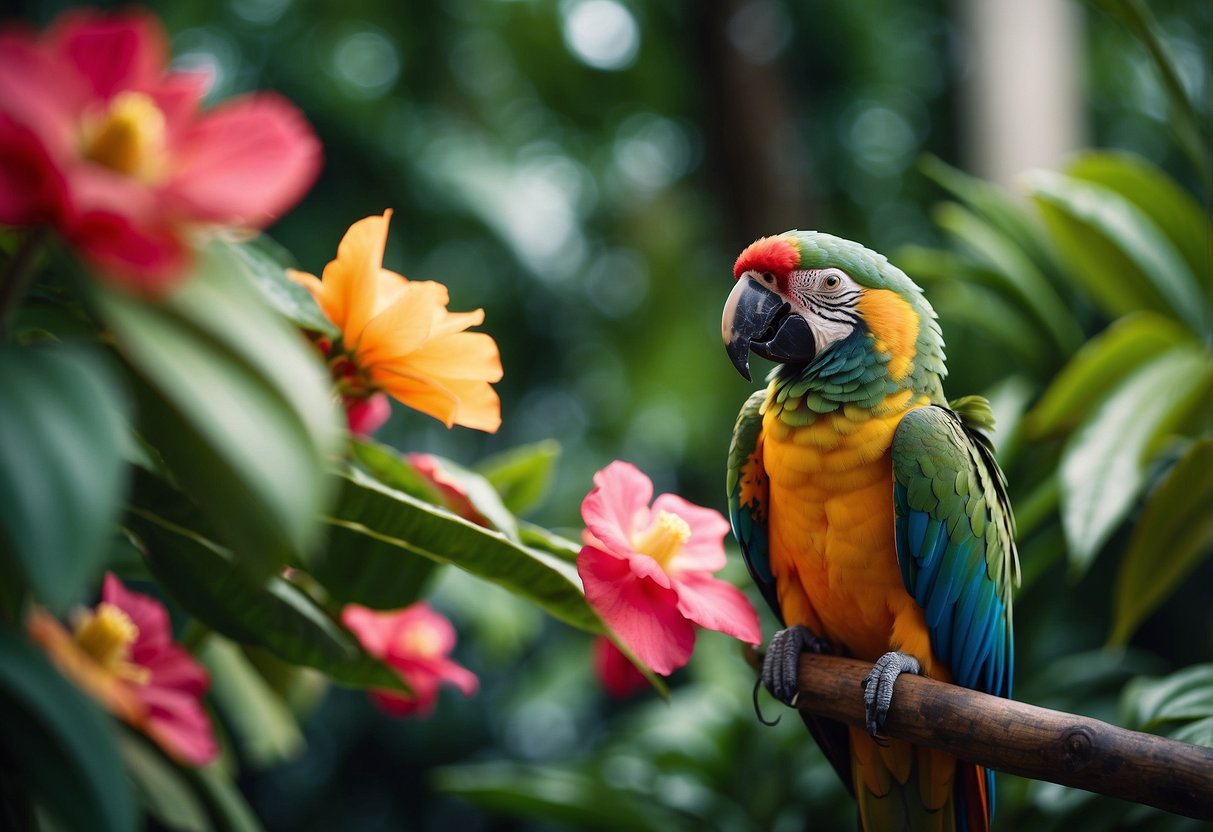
(747, 494)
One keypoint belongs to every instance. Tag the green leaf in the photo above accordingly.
(227, 804)
(548, 541)
(1186, 695)
(1174, 534)
(237, 404)
(523, 475)
(1115, 251)
(987, 312)
(1199, 732)
(163, 790)
(266, 728)
(1103, 464)
(379, 536)
(1172, 209)
(482, 497)
(578, 799)
(265, 263)
(270, 613)
(1102, 363)
(67, 753)
(62, 476)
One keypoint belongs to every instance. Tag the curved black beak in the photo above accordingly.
(756, 319)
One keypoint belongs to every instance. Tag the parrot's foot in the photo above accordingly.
(779, 665)
(878, 686)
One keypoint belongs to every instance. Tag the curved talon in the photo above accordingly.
(780, 665)
(878, 687)
(758, 708)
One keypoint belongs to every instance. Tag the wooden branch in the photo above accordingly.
(1019, 738)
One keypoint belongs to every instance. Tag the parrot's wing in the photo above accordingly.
(956, 544)
(748, 495)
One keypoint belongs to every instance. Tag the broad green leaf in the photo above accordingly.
(480, 495)
(164, 791)
(227, 804)
(538, 537)
(1102, 465)
(1199, 732)
(523, 475)
(578, 799)
(1149, 702)
(388, 465)
(263, 724)
(988, 313)
(236, 403)
(1018, 277)
(1174, 534)
(1101, 364)
(1176, 213)
(68, 755)
(266, 263)
(1116, 252)
(379, 535)
(270, 613)
(62, 476)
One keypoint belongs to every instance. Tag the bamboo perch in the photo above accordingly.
(1019, 738)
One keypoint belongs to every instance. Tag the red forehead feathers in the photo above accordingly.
(778, 255)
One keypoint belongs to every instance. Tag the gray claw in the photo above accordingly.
(878, 686)
(779, 666)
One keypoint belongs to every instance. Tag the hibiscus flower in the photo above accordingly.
(101, 141)
(415, 642)
(648, 571)
(398, 337)
(122, 654)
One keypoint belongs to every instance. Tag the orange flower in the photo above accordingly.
(397, 335)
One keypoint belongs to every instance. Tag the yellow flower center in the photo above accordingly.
(129, 138)
(422, 641)
(664, 538)
(106, 634)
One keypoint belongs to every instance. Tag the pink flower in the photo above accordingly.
(367, 415)
(416, 643)
(122, 653)
(453, 493)
(100, 140)
(618, 675)
(648, 571)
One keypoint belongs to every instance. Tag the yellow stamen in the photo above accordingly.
(664, 538)
(129, 138)
(422, 641)
(106, 634)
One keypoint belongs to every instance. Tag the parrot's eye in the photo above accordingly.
(768, 277)
(831, 281)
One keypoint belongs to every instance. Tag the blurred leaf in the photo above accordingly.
(163, 790)
(1172, 209)
(480, 495)
(388, 465)
(1102, 465)
(1199, 732)
(1174, 534)
(538, 537)
(1017, 276)
(66, 748)
(523, 475)
(986, 312)
(1184, 696)
(1102, 363)
(1114, 250)
(559, 795)
(378, 534)
(1082, 682)
(261, 720)
(265, 263)
(272, 613)
(227, 804)
(237, 405)
(62, 476)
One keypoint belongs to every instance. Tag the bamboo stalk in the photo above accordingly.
(1019, 738)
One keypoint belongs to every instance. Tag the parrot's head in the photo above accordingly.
(801, 294)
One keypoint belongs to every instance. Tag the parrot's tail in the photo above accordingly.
(903, 787)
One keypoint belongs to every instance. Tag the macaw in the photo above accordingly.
(872, 515)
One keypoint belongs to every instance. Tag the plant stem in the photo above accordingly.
(19, 276)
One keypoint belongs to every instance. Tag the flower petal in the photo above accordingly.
(32, 189)
(463, 355)
(617, 505)
(350, 280)
(142, 257)
(179, 724)
(418, 393)
(717, 605)
(644, 615)
(395, 331)
(375, 630)
(145, 612)
(113, 51)
(704, 550)
(244, 162)
(618, 675)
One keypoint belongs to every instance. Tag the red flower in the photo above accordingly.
(618, 675)
(122, 654)
(416, 643)
(366, 415)
(648, 571)
(98, 139)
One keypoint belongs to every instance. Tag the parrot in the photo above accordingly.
(870, 511)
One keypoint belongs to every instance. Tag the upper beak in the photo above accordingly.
(755, 318)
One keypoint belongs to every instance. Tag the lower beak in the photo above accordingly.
(756, 319)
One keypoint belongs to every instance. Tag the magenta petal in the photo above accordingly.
(145, 612)
(718, 605)
(643, 614)
(245, 162)
(375, 631)
(113, 52)
(175, 669)
(704, 551)
(618, 675)
(179, 724)
(619, 499)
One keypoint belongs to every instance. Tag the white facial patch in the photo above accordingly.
(827, 300)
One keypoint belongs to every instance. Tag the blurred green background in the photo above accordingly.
(586, 171)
